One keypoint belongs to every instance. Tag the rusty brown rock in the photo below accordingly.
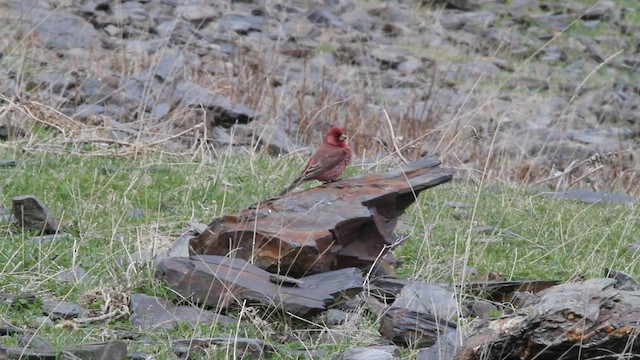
(219, 282)
(347, 223)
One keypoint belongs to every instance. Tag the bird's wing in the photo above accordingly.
(325, 158)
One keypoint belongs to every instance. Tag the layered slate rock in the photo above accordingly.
(347, 223)
(31, 213)
(220, 282)
(150, 312)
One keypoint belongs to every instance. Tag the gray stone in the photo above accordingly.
(151, 313)
(552, 21)
(8, 132)
(31, 213)
(222, 111)
(55, 82)
(180, 247)
(389, 56)
(480, 308)
(603, 10)
(62, 310)
(94, 91)
(592, 197)
(112, 30)
(171, 64)
(86, 110)
(486, 229)
(110, 350)
(326, 18)
(468, 21)
(427, 298)
(74, 275)
(529, 83)
(444, 348)
(465, 5)
(623, 281)
(7, 163)
(336, 317)
(143, 46)
(160, 111)
(61, 29)
(35, 342)
(269, 137)
(410, 66)
(18, 353)
(195, 12)
(241, 24)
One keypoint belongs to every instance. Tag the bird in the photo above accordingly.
(327, 162)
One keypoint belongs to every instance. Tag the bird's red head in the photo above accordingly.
(335, 136)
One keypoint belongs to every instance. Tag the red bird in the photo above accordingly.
(328, 162)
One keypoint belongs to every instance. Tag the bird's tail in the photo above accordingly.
(293, 185)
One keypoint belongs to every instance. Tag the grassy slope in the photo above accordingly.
(537, 237)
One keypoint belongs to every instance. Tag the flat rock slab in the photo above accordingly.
(8, 329)
(592, 197)
(62, 310)
(428, 298)
(347, 223)
(414, 329)
(8, 163)
(31, 213)
(110, 350)
(219, 282)
(74, 275)
(150, 312)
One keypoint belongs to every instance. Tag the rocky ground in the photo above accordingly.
(521, 90)
(529, 91)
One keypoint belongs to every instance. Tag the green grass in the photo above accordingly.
(536, 237)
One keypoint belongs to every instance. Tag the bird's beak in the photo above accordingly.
(343, 137)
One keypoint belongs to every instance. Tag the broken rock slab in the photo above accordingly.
(347, 223)
(219, 282)
(583, 320)
(623, 281)
(415, 329)
(111, 350)
(151, 312)
(62, 310)
(31, 213)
